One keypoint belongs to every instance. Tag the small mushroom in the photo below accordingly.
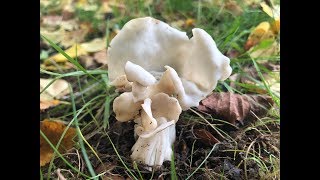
(156, 130)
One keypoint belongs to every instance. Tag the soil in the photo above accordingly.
(221, 164)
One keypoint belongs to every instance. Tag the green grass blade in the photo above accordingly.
(135, 166)
(76, 63)
(83, 150)
(124, 164)
(173, 166)
(275, 99)
(202, 162)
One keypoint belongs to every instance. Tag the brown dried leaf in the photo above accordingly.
(86, 60)
(233, 7)
(53, 129)
(259, 105)
(235, 107)
(101, 57)
(205, 137)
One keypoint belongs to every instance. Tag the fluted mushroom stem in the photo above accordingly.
(154, 148)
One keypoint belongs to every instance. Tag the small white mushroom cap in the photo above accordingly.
(137, 74)
(125, 108)
(147, 121)
(150, 45)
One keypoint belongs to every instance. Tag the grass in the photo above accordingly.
(89, 106)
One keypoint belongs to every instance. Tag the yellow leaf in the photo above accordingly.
(95, 45)
(189, 22)
(56, 90)
(275, 14)
(272, 12)
(53, 130)
(57, 66)
(59, 58)
(276, 26)
(261, 32)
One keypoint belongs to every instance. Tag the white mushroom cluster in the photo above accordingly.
(162, 72)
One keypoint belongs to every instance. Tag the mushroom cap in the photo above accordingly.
(151, 45)
(147, 121)
(125, 108)
(148, 43)
(156, 108)
(136, 73)
(164, 106)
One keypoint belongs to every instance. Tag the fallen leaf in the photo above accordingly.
(95, 45)
(74, 37)
(105, 8)
(265, 30)
(272, 12)
(53, 130)
(101, 57)
(55, 36)
(271, 50)
(189, 22)
(70, 25)
(72, 52)
(205, 137)
(51, 20)
(259, 105)
(261, 32)
(233, 7)
(86, 60)
(235, 107)
(47, 104)
(57, 66)
(56, 90)
(249, 73)
(273, 80)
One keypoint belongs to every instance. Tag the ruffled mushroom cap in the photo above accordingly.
(125, 108)
(151, 46)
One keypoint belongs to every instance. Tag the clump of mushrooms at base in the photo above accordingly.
(162, 72)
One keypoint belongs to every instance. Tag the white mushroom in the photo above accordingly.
(154, 143)
(168, 73)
